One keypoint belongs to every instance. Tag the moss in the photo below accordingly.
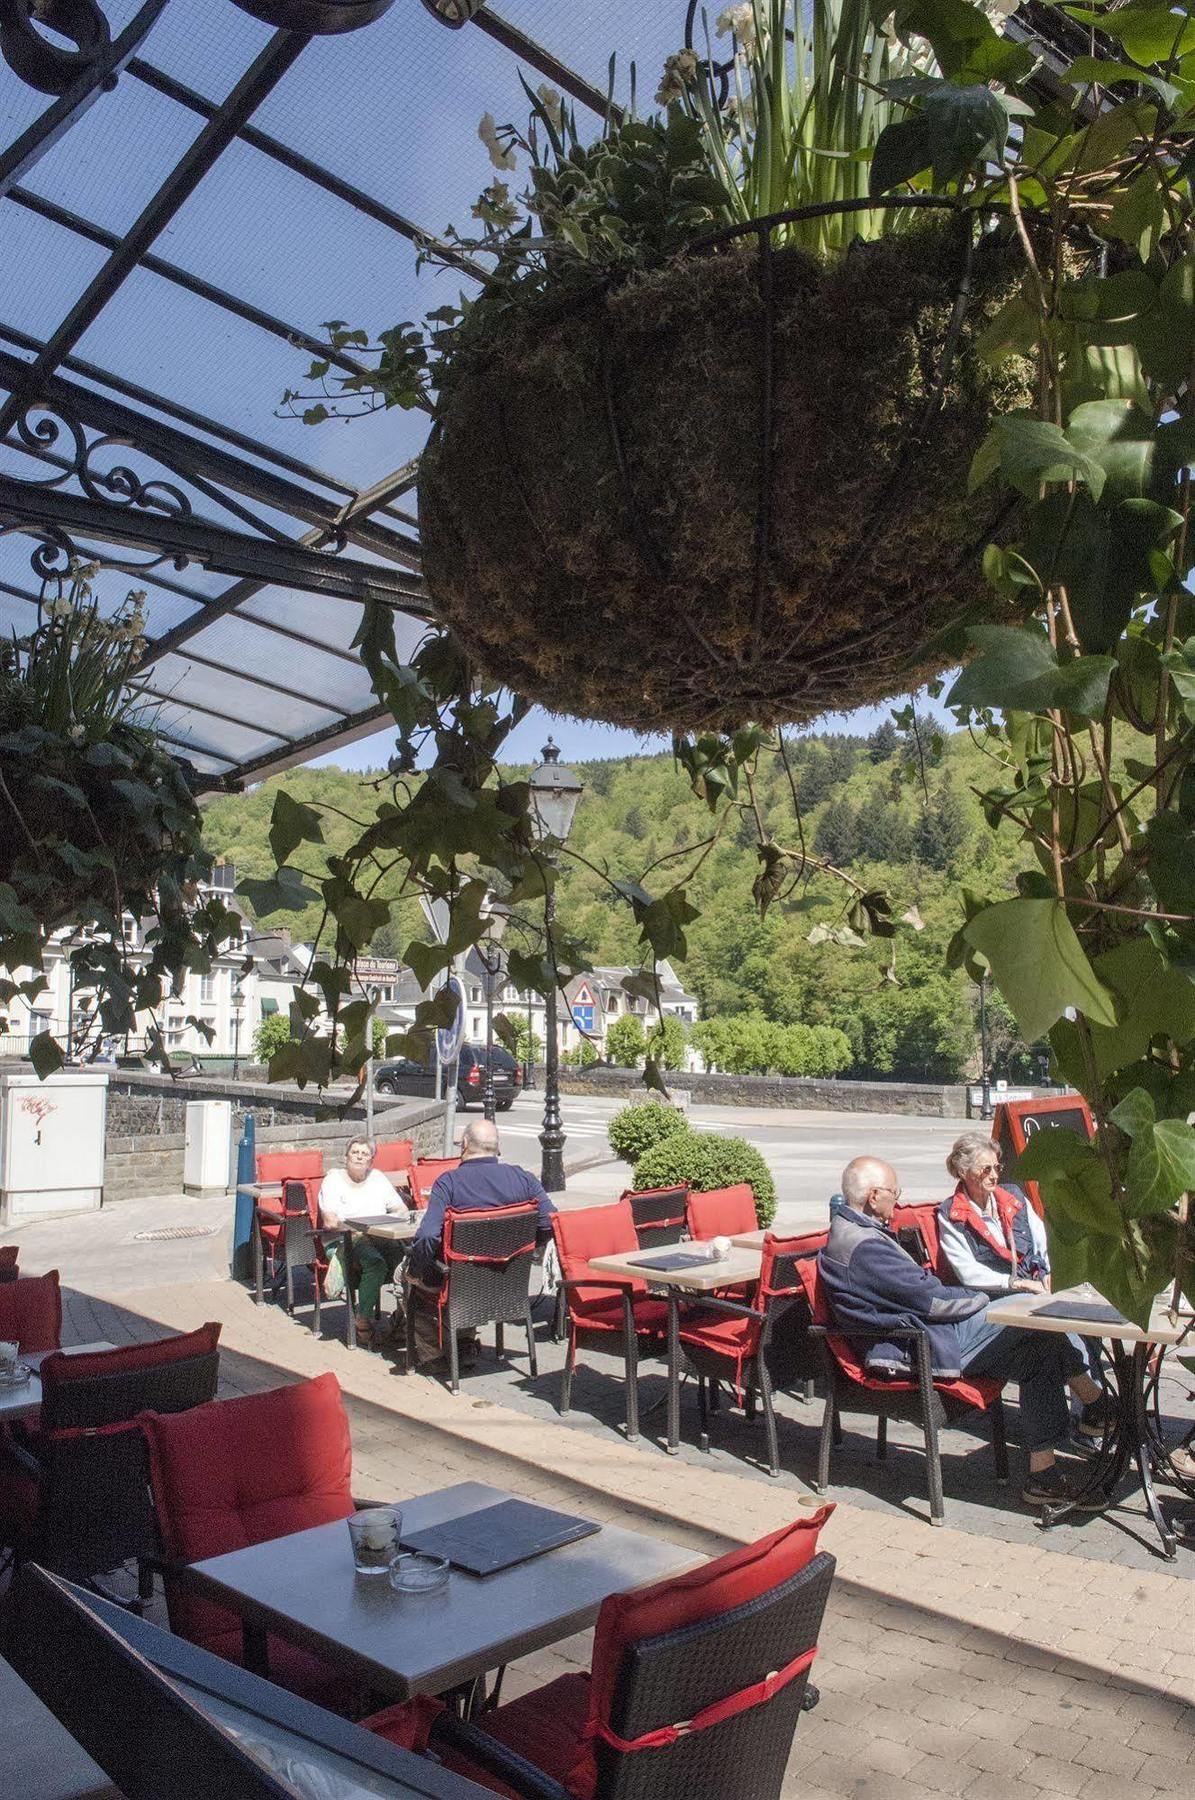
(635, 598)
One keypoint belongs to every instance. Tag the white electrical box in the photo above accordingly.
(207, 1148)
(51, 1142)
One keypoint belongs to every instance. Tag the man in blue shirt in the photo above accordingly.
(481, 1183)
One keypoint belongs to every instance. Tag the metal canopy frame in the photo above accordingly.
(194, 498)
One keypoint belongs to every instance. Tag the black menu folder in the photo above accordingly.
(679, 1259)
(496, 1537)
(1091, 1312)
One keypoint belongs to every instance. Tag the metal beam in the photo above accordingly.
(311, 171)
(201, 541)
(180, 277)
(259, 79)
(260, 768)
(98, 77)
(198, 462)
(528, 51)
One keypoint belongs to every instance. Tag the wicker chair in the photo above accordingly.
(722, 1212)
(602, 1306)
(732, 1341)
(424, 1174)
(76, 1497)
(659, 1215)
(487, 1256)
(696, 1687)
(8, 1261)
(281, 1166)
(31, 1312)
(928, 1401)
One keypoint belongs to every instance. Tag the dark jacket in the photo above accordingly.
(874, 1286)
(480, 1184)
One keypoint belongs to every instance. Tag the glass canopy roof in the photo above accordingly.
(186, 194)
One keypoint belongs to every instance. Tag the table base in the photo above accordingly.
(1127, 1444)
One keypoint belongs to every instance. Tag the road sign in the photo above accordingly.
(448, 1037)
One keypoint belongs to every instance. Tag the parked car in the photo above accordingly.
(402, 1076)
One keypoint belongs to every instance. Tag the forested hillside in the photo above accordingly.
(895, 810)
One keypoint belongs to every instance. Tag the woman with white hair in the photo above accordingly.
(990, 1235)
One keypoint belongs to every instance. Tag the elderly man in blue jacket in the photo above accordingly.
(874, 1286)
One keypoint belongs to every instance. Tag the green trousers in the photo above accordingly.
(373, 1267)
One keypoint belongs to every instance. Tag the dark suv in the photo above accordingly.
(404, 1077)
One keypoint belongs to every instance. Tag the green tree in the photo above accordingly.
(272, 1032)
(881, 830)
(815, 782)
(626, 1044)
(882, 742)
(667, 1041)
(840, 759)
(942, 830)
(837, 837)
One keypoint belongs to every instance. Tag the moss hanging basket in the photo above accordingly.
(732, 487)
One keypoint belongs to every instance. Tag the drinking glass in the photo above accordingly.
(375, 1533)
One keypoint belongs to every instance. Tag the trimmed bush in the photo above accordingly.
(637, 1129)
(702, 1160)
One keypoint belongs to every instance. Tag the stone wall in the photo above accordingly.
(146, 1116)
(927, 1100)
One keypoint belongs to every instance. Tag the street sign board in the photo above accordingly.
(448, 1037)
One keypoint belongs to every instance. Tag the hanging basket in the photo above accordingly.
(731, 488)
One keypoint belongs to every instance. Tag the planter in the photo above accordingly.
(681, 503)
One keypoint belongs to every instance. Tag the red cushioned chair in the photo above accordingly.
(75, 1497)
(300, 1243)
(732, 1341)
(928, 1401)
(917, 1229)
(8, 1261)
(240, 1472)
(722, 1212)
(269, 1224)
(399, 1154)
(424, 1174)
(487, 1257)
(601, 1304)
(31, 1312)
(659, 1215)
(695, 1687)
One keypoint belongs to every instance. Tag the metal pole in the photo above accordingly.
(487, 1087)
(529, 1059)
(369, 1066)
(552, 1136)
(236, 1039)
(985, 1098)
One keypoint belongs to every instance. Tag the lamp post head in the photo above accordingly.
(555, 792)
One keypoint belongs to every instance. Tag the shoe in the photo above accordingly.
(1050, 1487)
(1094, 1419)
(364, 1334)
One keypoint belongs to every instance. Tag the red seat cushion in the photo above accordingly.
(722, 1212)
(290, 1165)
(63, 1367)
(605, 1313)
(400, 1154)
(720, 1332)
(598, 1231)
(238, 1472)
(31, 1312)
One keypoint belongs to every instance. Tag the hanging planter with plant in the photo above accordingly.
(700, 446)
(98, 825)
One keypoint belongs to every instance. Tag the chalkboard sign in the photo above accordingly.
(1017, 1122)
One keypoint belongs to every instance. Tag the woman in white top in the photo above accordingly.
(360, 1188)
(990, 1235)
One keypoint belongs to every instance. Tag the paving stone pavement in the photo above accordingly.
(950, 1664)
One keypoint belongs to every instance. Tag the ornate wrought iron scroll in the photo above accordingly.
(454, 13)
(51, 67)
(319, 17)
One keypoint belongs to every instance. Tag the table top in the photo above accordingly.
(303, 1587)
(24, 1402)
(698, 1278)
(394, 1226)
(1018, 1310)
(749, 1240)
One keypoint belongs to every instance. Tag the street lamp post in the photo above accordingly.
(491, 961)
(985, 1074)
(555, 791)
(237, 999)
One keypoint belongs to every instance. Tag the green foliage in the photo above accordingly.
(749, 1044)
(97, 820)
(638, 1129)
(626, 1045)
(666, 1043)
(273, 1031)
(702, 1160)
(582, 1057)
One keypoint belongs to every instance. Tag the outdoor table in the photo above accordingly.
(24, 1402)
(303, 1588)
(392, 1228)
(749, 1240)
(743, 1265)
(1128, 1442)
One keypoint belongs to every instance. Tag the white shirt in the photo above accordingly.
(969, 1272)
(340, 1194)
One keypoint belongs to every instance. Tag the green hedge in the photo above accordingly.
(702, 1160)
(636, 1129)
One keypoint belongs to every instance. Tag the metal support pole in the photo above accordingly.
(529, 1059)
(985, 1074)
(487, 1086)
(552, 1136)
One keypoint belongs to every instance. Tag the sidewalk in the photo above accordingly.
(949, 1664)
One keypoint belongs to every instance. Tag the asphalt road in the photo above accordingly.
(806, 1151)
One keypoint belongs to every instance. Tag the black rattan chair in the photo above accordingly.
(707, 1709)
(659, 1215)
(487, 1257)
(76, 1498)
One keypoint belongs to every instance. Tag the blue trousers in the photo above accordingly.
(1040, 1362)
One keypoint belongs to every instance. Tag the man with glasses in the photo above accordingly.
(875, 1286)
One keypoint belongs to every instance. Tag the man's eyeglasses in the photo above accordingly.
(894, 1191)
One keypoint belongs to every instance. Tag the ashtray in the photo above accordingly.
(415, 1573)
(17, 1376)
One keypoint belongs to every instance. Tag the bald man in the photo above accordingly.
(876, 1287)
(483, 1181)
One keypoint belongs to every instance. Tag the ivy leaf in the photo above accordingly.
(1073, 1178)
(284, 891)
(955, 128)
(45, 1053)
(426, 961)
(1019, 671)
(1120, 438)
(1038, 964)
(1032, 451)
(292, 824)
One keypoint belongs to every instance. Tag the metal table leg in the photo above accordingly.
(1127, 1444)
(673, 1444)
(350, 1296)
